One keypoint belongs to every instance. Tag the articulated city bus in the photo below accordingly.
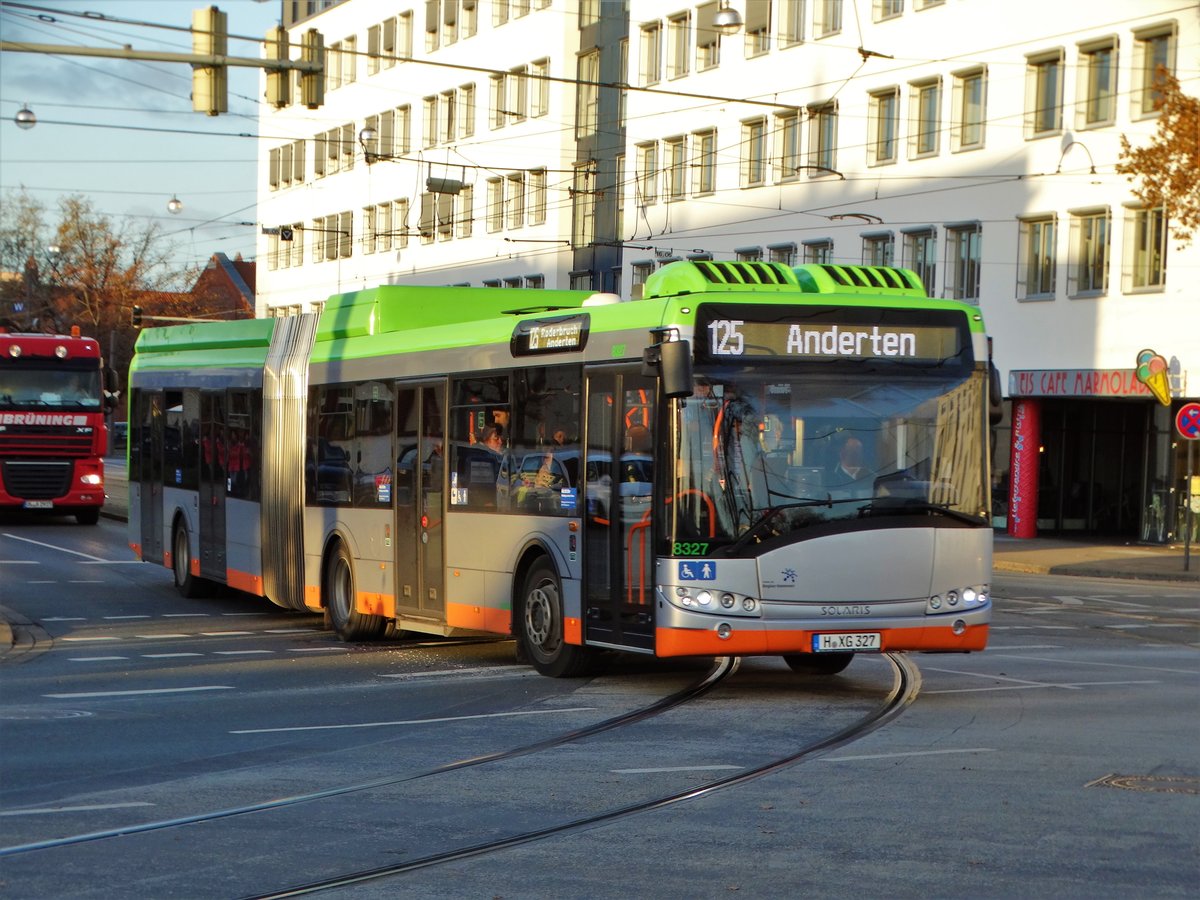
(751, 459)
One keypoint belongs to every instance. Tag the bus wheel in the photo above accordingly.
(89, 516)
(818, 663)
(349, 624)
(540, 619)
(186, 583)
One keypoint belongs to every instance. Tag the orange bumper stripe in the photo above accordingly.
(743, 642)
(479, 618)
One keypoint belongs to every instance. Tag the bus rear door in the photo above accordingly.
(213, 462)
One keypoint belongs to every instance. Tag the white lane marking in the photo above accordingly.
(908, 753)
(185, 615)
(1031, 687)
(1069, 601)
(65, 619)
(94, 658)
(112, 562)
(168, 655)
(985, 675)
(1027, 647)
(82, 581)
(52, 547)
(117, 618)
(531, 712)
(223, 633)
(81, 640)
(185, 690)
(242, 652)
(1107, 665)
(52, 810)
(323, 650)
(480, 670)
(290, 630)
(155, 637)
(674, 769)
(1034, 627)
(1153, 625)
(19, 562)
(41, 582)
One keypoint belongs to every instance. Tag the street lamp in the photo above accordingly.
(174, 205)
(25, 118)
(727, 21)
(367, 136)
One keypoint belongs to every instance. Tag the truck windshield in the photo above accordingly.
(73, 389)
(762, 453)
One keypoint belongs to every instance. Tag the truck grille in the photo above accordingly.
(34, 440)
(34, 480)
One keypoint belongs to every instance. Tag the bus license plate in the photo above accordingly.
(38, 504)
(840, 643)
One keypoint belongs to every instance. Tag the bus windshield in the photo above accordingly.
(762, 453)
(70, 389)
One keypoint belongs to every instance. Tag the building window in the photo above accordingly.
(587, 104)
(969, 103)
(883, 124)
(1097, 103)
(882, 10)
(583, 205)
(1043, 94)
(536, 282)
(429, 135)
(1153, 56)
(404, 35)
(539, 72)
(1145, 266)
(589, 12)
(827, 17)
(651, 53)
(619, 191)
(370, 236)
(925, 102)
(1037, 264)
(640, 272)
(622, 93)
(466, 110)
(498, 93)
(403, 130)
(920, 255)
(754, 150)
(791, 22)
(537, 196)
(704, 150)
(964, 246)
(822, 143)
(647, 173)
(820, 252)
(518, 93)
(879, 249)
(782, 253)
(1088, 263)
(675, 184)
(679, 41)
(464, 215)
(708, 39)
(758, 28)
(749, 254)
(583, 281)
(427, 223)
(514, 200)
(448, 117)
(495, 204)
(787, 131)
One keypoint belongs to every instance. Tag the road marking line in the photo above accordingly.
(83, 581)
(908, 753)
(94, 658)
(673, 769)
(155, 637)
(19, 562)
(112, 562)
(185, 690)
(531, 712)
(241, 652)
(479, 670)
(1030, 687)
(117, 618)
(185, 615)
(52, 547)
(1107, 665)
(984, 675)
(84, 639)
(323, 650)
(1028, 647)
(51, 810)
(168, 655)
(223, 633)
(65, 619)
(290, 630)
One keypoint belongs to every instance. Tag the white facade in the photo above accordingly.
(907, 131)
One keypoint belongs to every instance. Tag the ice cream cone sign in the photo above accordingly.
(1153, 373)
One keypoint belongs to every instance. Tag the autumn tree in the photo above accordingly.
(1164, 171)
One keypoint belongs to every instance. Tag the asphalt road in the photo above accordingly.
(1061, 762)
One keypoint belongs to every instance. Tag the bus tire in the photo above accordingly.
(340, 594)
(89, 516)
(186, 583)
(540, 626)
(818, 663)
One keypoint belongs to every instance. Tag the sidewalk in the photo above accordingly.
(1095, 559)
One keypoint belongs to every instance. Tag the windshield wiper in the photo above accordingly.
(767, 515)
(903, 505)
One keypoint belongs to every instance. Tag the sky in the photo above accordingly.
(122, 133)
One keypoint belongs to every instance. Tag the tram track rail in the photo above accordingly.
(723, 667)
(905, 688)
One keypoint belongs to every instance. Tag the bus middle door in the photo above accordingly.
(420, 500)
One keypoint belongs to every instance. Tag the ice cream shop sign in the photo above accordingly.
(1085, 383)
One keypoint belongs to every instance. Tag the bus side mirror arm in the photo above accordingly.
(672, 362)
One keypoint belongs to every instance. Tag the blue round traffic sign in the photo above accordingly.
(1187, 421)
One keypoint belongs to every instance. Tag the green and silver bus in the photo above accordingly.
(750, 459)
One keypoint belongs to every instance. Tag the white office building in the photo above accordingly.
(584, 143)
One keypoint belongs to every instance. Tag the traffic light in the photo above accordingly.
(210, 84)
(279, 81)
(135, 317)
(312, 84)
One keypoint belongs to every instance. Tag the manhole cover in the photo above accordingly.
(37, 713)
(1151, 784)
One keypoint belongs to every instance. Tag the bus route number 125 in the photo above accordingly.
(725, 337)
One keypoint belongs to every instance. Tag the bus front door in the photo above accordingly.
(420, 501)
(213, 465)
(618, 540)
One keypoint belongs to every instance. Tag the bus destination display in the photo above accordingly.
(558, 335)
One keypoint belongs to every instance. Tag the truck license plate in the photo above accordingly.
(839, 643)
(38, 504)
